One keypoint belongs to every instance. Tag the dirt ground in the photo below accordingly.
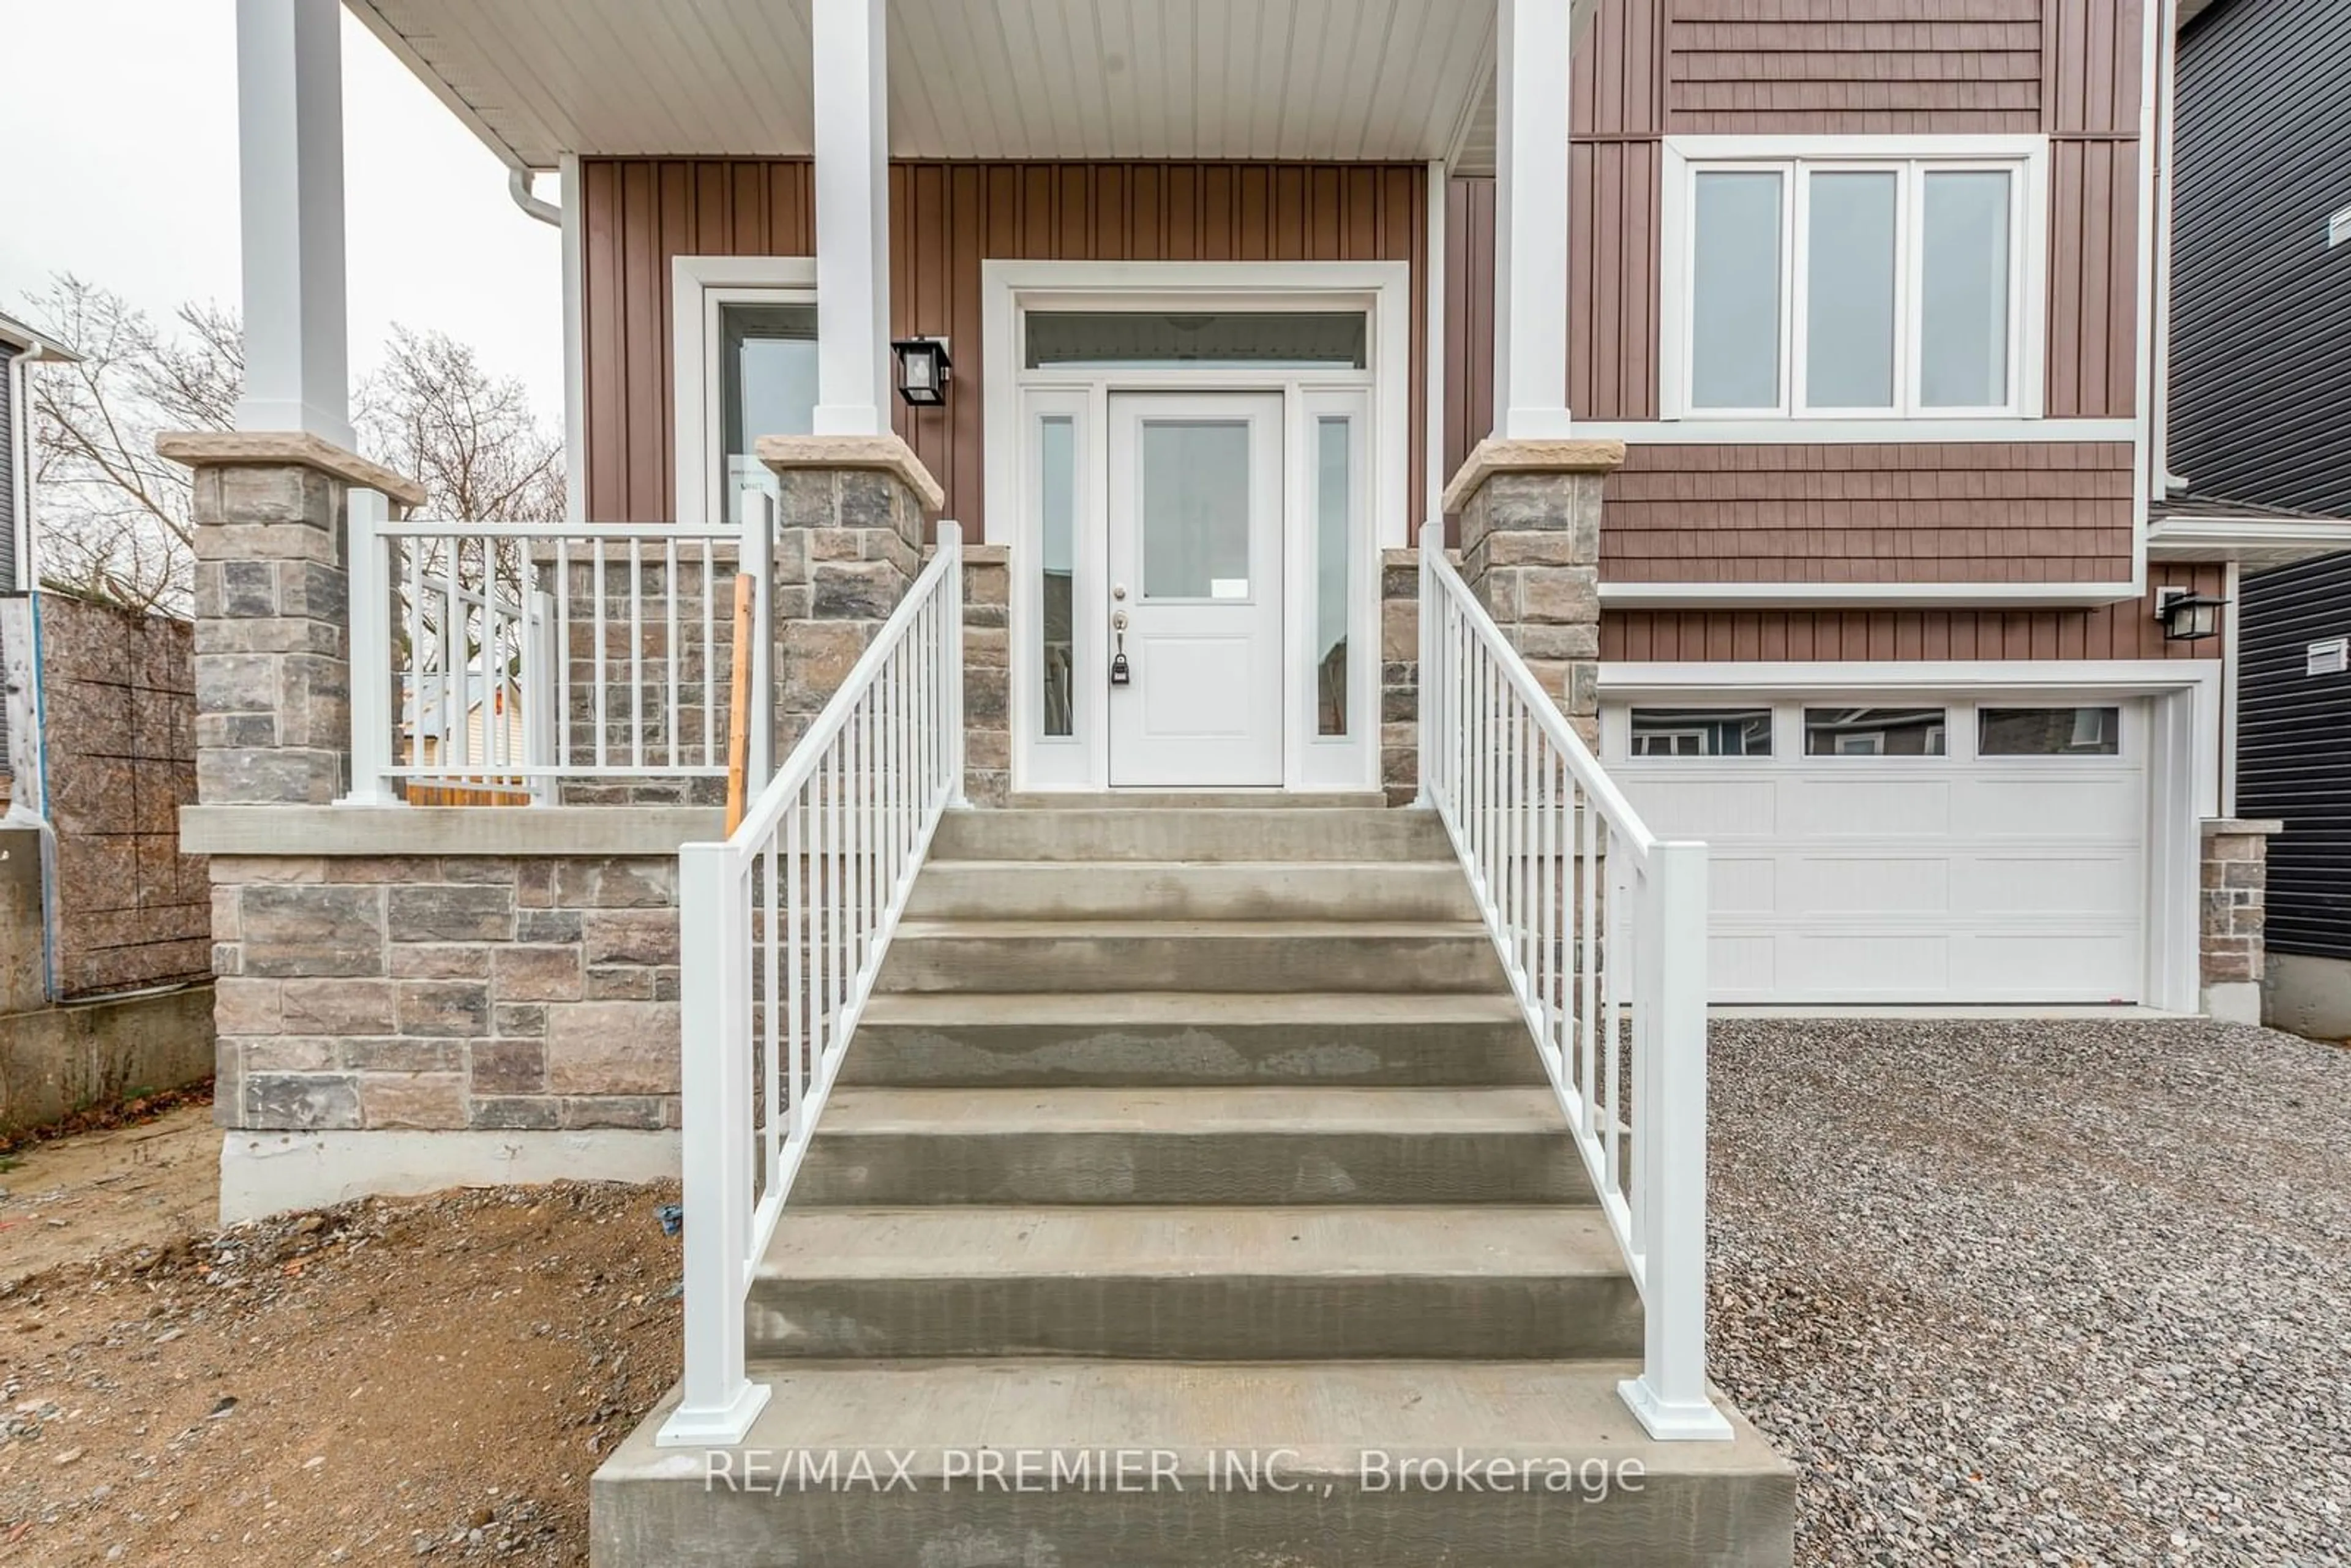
(392, 1380)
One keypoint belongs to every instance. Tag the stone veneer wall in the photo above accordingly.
(484, 992)
(1531, 552)
(2230, 926)
(988, 673)
(1400, 674)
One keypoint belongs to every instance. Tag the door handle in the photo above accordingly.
(1121, 673)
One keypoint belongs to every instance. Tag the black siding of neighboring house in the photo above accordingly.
(2294, 751)
(2260, 315)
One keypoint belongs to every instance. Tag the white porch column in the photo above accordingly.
(852, 219)
(1531, 192)
(289, 95)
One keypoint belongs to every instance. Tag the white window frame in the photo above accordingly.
(1796, 159)
(699, 286)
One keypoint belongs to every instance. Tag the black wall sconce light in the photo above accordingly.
(2186, 615)
(924, 370)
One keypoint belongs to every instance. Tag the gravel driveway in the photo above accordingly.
(2040, 1291)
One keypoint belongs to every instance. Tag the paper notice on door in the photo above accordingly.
(1229, 588)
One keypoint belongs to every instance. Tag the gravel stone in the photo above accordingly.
(2040, 1291)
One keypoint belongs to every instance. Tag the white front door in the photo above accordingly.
(1195, 549)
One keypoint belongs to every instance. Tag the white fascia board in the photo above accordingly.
(1864, 595)
(2259, 542)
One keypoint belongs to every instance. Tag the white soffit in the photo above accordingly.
(1267, 80)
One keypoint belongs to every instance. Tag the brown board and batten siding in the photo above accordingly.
(945, 218)
(2124, 631)
(1649, 69)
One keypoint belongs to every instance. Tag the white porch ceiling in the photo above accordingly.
(1287, 79)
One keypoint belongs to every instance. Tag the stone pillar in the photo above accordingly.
(987, 674)
(273, 670)
(1531, 552)
(849, 543)
(1400, 674)
(2229, 917)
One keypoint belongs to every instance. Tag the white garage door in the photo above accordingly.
(1906, 852)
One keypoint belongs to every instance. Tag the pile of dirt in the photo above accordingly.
(393, 1379)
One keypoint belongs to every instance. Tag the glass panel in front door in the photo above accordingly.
(1195, 509)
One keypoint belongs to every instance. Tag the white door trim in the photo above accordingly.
(699, 285)
(1379, 396)
(2183, 752)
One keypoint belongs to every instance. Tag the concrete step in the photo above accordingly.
(1195, 1283)
(950, 1039)
(1189, 890)
(1190, 956)
(910, 1146)
(1196, 801)
(1318, 1440)
(1220, 833)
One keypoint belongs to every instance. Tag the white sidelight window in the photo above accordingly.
(1818, 278)
(743, 342)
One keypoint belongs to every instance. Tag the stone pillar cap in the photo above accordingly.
(1495, 455)
(283, 448)
(886, 452)
(2249, 827)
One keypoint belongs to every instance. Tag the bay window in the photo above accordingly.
(1852, 285)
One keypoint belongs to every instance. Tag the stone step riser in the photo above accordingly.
(1126, 891)
(1260, 835)
(1321, 1519)
(1013, 1055)
(1368, 959)
(1303, 1166)
(1255, 1317)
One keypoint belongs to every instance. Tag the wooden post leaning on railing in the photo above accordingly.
(717, 1403)
(1669, 1397)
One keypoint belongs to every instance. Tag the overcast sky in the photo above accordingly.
(118, 161)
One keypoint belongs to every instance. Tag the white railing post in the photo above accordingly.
(1424, 677)
(538, 693)
(951, 545)
(1669, 1397)
(717, 1404)
(369, 589)
(757, 557)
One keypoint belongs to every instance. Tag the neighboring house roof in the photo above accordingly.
(31, 345)
(2214, 528)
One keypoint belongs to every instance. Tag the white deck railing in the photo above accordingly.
(519, 653)
(1602, 930)
(783, 928)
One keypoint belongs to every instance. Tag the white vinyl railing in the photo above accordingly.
(520, 653)
(1602, 930)
(783, 928)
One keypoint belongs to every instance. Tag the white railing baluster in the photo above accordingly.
(828, 853)
(1537, 825)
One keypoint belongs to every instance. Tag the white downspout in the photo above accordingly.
(518, 187)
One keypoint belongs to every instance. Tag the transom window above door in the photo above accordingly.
(1167, 339)
(1851, 286)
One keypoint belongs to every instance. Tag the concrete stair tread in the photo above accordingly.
(914, 930)
(1303, 1111)
(1202, 800)
(1474, 1241)
(933, 1009)
(1327, 1413)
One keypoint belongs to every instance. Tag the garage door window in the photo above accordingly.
(2050, 732)
(1875, 731)
(1702, 732)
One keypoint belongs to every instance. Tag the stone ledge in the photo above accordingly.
(261, 448)
(886, 452)
(2249, 827)
(1494, 455)
(589, 831)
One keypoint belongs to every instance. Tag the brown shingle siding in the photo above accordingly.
(2123, 630)
(1954, 512)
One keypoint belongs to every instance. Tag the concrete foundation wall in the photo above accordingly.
(58, 1059)
(2308, 995)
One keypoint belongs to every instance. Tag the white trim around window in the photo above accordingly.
(1799, 161)
(699, 286)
